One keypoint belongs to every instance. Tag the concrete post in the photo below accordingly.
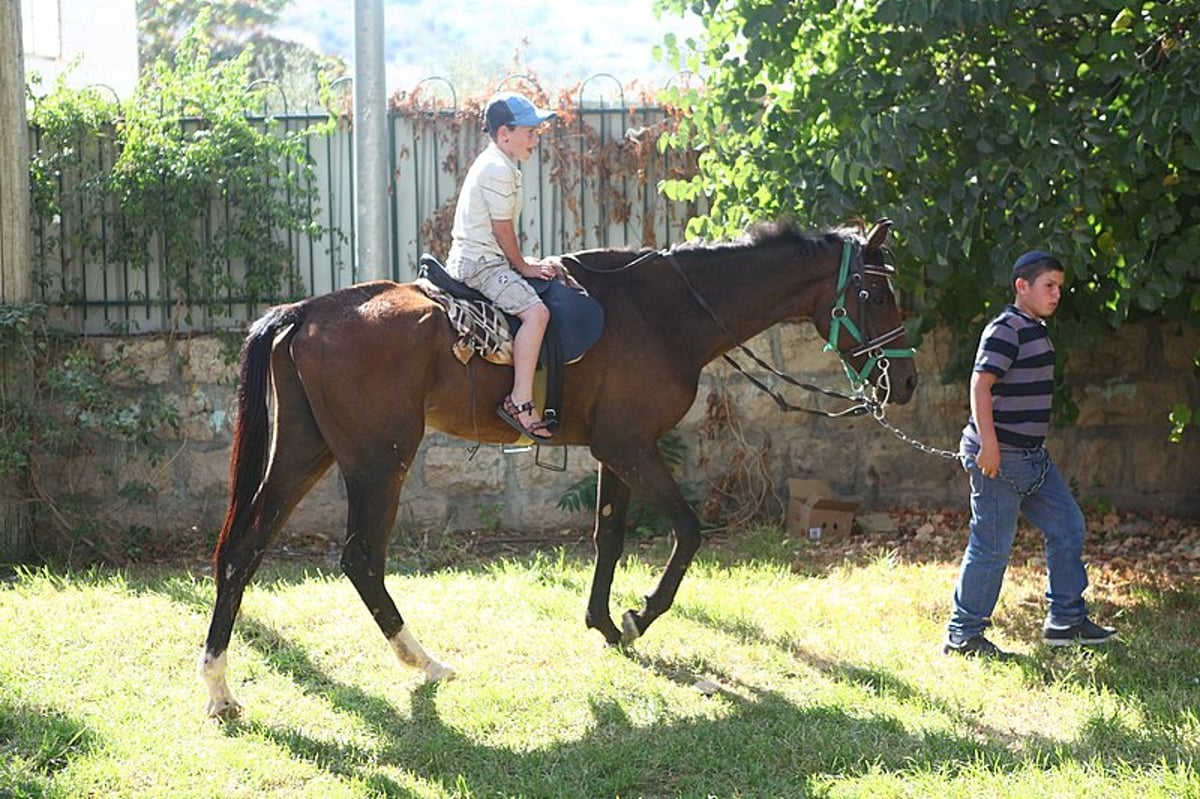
(370, 143)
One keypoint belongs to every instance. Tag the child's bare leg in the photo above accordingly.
(526, 344)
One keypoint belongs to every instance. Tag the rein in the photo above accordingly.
(851, 268)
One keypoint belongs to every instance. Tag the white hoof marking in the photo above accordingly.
(439, 672)
(221, 703)
(411, 654)
(629, 630)
(223, 711)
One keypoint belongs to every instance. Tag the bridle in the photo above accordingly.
(854, 269)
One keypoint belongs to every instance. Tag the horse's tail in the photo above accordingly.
(252, 431)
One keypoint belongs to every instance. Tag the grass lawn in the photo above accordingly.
(827, 679)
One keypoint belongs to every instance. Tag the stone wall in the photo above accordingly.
(1115, 453)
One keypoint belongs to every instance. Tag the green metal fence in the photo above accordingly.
(593, 183)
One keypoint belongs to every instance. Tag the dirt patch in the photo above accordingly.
(1120, 550)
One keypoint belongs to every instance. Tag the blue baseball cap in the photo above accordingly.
(510, 108)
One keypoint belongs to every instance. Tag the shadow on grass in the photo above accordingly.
(764, 743)
(1158, 678)
(35, 744)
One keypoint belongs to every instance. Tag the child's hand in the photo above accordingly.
(545, 268)
(988, 461)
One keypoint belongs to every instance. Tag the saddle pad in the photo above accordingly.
(482, 328)
(576, 319)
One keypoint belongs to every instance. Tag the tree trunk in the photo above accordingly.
(15, 279)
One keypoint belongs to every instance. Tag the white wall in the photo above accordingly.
(102, 34)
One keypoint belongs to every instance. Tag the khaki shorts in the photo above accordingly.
(501, 284)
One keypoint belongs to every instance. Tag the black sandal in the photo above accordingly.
(510, 412)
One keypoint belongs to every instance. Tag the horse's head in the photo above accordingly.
(865, 327)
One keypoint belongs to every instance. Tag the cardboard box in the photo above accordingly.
(816, 513)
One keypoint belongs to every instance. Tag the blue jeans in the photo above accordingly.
(1028, 484)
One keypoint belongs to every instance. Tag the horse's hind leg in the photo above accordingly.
(299, 460)
(373, 490)
(608, 540)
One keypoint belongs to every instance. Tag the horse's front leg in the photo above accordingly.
(650, 478)
(686, 527)
(608, 540)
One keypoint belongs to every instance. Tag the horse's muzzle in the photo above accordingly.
(903, 392)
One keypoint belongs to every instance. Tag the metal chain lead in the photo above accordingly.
(907, 439)
(876, 405)
(878, 416)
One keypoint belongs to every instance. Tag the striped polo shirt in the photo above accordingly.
(1016, 348)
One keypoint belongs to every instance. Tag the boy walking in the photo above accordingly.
(486, 253)
(1002, 449)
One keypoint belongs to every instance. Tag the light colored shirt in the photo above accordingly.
(491, 190)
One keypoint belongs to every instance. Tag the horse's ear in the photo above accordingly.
(878, 234)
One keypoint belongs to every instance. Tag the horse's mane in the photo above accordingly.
(758, 235)
(779, 232)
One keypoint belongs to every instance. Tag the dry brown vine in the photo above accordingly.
(742, 490)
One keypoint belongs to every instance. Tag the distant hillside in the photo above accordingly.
(473, 44)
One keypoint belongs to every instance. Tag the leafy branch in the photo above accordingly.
(198, 190)
(984, 129)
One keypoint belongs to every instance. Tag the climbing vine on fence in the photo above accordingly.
(130, 184)
(187, 153)
(588, 171)
(61, 405)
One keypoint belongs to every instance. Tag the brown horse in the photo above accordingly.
(357, 375)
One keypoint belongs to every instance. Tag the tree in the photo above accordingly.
(15, 285)
(982, 127)
(230, 28)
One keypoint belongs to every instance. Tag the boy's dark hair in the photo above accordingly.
(510, 110)
(1032, 264)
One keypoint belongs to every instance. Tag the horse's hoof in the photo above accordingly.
(223, 710)
(612, 636)
(629, 628)
(439, 672)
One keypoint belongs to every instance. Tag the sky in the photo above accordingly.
(561, 41)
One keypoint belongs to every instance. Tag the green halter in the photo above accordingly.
(878, 354)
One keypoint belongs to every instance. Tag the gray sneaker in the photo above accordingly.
(1085, 633)
(977, 647)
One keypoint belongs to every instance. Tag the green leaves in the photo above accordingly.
(1180, 417)
(982, 128)
(1123, 21)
